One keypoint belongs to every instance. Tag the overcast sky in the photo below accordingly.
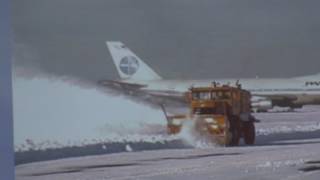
(178, 38)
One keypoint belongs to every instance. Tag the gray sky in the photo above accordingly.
(178, 38)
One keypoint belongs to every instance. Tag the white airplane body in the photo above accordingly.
(137, 76)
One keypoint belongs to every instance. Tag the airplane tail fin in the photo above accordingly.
(128, 64)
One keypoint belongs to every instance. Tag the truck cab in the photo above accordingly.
(221, 113)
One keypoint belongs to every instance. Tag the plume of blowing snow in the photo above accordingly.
(51, 112)
(189, 136)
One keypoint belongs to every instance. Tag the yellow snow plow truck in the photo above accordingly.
(220, 113)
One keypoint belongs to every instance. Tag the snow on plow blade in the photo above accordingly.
(212, 128)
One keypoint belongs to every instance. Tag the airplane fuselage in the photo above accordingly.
(137, 76)
(297, 92)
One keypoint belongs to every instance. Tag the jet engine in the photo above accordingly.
(260, 104)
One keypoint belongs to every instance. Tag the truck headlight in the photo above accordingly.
(176, 122)
(209, 120)
(214, 126)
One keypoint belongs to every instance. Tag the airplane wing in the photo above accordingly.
(121, 84)
(168, 94)
(136, 93)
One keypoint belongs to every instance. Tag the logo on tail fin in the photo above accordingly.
(129, 65)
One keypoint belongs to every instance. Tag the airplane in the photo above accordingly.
(138, 79)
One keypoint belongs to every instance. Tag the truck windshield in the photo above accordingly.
(201, 96)
(221, 95)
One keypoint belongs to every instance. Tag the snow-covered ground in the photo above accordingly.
(287, 144)
(288, 160)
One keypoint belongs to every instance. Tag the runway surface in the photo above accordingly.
(287, 147)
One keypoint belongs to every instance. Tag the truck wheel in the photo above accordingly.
(235, 133)
(249, 133)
